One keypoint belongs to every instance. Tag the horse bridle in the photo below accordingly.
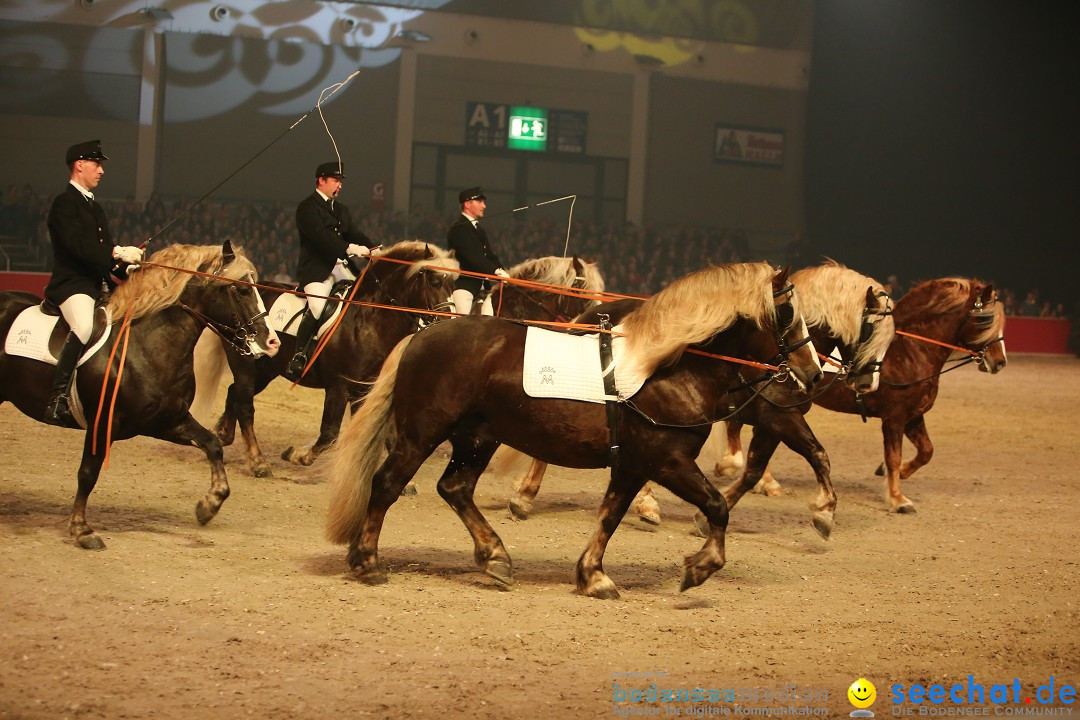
(785, 320)
(866, 331)
(242, 331)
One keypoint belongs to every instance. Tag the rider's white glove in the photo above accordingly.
(357, 250)
(502, 273)
(128, 253)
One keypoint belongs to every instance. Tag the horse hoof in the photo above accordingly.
(823, 523)
(203, 512)
(692, 577)
(291, 454)
(602, 590)
(769, 489)
(409, 489)
(650, 518)
(519, 510)
(880, 472)
(375, 576)
(906, 509)
(262, 470)
(91, 541)
(501, 571)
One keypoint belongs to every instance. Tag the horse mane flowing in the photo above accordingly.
(835, 296)
(945, 296)
(422, 255)
(151, 288)
(696, 307)
(554, 270)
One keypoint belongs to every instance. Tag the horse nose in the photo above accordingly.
(816, 378)
(272, 346)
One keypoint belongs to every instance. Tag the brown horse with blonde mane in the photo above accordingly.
(462, 381)
(168, 305)
(844, 310)
(937, 320)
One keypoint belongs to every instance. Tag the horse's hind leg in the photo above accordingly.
(334, 402)
(924, 449)
(456, 487)
(732, 459)
(240, 408)
(89, 470)
(386, 486)
(525, 490)
(189, 432)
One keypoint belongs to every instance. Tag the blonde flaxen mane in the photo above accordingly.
(695, 307)
(155, 288)
(417, 251)
(555, 270)
(945, 296)
(835, 295)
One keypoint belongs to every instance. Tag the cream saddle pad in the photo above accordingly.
(560, 365)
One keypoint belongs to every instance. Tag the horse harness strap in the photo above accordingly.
(611, 402)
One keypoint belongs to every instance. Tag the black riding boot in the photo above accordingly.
(304, 336)
(58, 409)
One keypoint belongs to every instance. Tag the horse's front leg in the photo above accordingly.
(798, 436)
(526, 488)
(189, 432)
(240, 407)
(591, 578)
(89, 470)
(892, 433)
(334, 401)
(456, 487)
(682, 477)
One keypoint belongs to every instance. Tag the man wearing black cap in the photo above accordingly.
(472, 249)
(327, 240)
(84, 259)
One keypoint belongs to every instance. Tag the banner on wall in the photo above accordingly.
(741, 145)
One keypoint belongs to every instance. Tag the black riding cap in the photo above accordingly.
(90, 150)
(330, 169)
(476, 193)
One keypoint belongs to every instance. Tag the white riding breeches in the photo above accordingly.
(322, 289)
(463, 302)
(78, 311)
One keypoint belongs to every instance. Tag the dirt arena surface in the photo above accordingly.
(254, 615)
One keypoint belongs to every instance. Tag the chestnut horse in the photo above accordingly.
(462, 381)
(844, 310)
(521, 302)
(168, 310)
(959, 312)
(353, 355)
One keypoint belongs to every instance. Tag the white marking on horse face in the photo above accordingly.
(273, 342)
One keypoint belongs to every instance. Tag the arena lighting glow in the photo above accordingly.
(528, 129)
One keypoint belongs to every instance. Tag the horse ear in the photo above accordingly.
(871, 297)
(780, 278)
(427, 252)
(987, 296)
(579, 267)
(227, 254)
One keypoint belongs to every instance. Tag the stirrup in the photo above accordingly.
(58, 412)
(296, 366)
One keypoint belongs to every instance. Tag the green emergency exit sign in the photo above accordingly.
(528, 128)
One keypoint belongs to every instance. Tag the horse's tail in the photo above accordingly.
(359, 452)
(210, 366)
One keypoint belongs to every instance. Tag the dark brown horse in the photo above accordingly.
(959, 312)
(168, 311)
(462, 381)
(353, 355)
(843, 310)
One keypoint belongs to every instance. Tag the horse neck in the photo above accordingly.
(171, 332)
(825, 341)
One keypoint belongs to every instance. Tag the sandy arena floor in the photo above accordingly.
(253, 615)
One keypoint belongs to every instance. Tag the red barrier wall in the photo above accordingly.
(28, 282)
(1036, 335)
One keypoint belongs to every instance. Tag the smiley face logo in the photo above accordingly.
(862, 693)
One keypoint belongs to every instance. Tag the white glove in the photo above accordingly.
(357, 250)
(128, 253)
(502, 273)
